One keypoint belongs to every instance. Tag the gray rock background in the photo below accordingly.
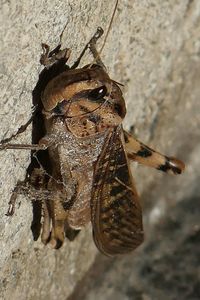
(154, 50)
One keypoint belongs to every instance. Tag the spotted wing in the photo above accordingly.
(116, 212)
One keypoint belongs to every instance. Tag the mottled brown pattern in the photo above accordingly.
(116, 212)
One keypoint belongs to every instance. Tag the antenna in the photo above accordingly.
(109, 27)
(92, 43)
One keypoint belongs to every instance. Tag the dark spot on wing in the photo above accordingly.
(116, 190)
(126, 138)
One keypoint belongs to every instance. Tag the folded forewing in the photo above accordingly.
(116, 212)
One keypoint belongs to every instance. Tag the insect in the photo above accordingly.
(87, 173)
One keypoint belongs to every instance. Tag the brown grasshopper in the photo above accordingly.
(88, 176)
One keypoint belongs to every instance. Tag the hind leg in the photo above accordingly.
(142, 154)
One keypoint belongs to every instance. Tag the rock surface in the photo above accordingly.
(154, 50)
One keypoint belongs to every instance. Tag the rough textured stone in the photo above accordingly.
(154, 50)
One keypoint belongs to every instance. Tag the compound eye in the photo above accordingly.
(98, 93)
